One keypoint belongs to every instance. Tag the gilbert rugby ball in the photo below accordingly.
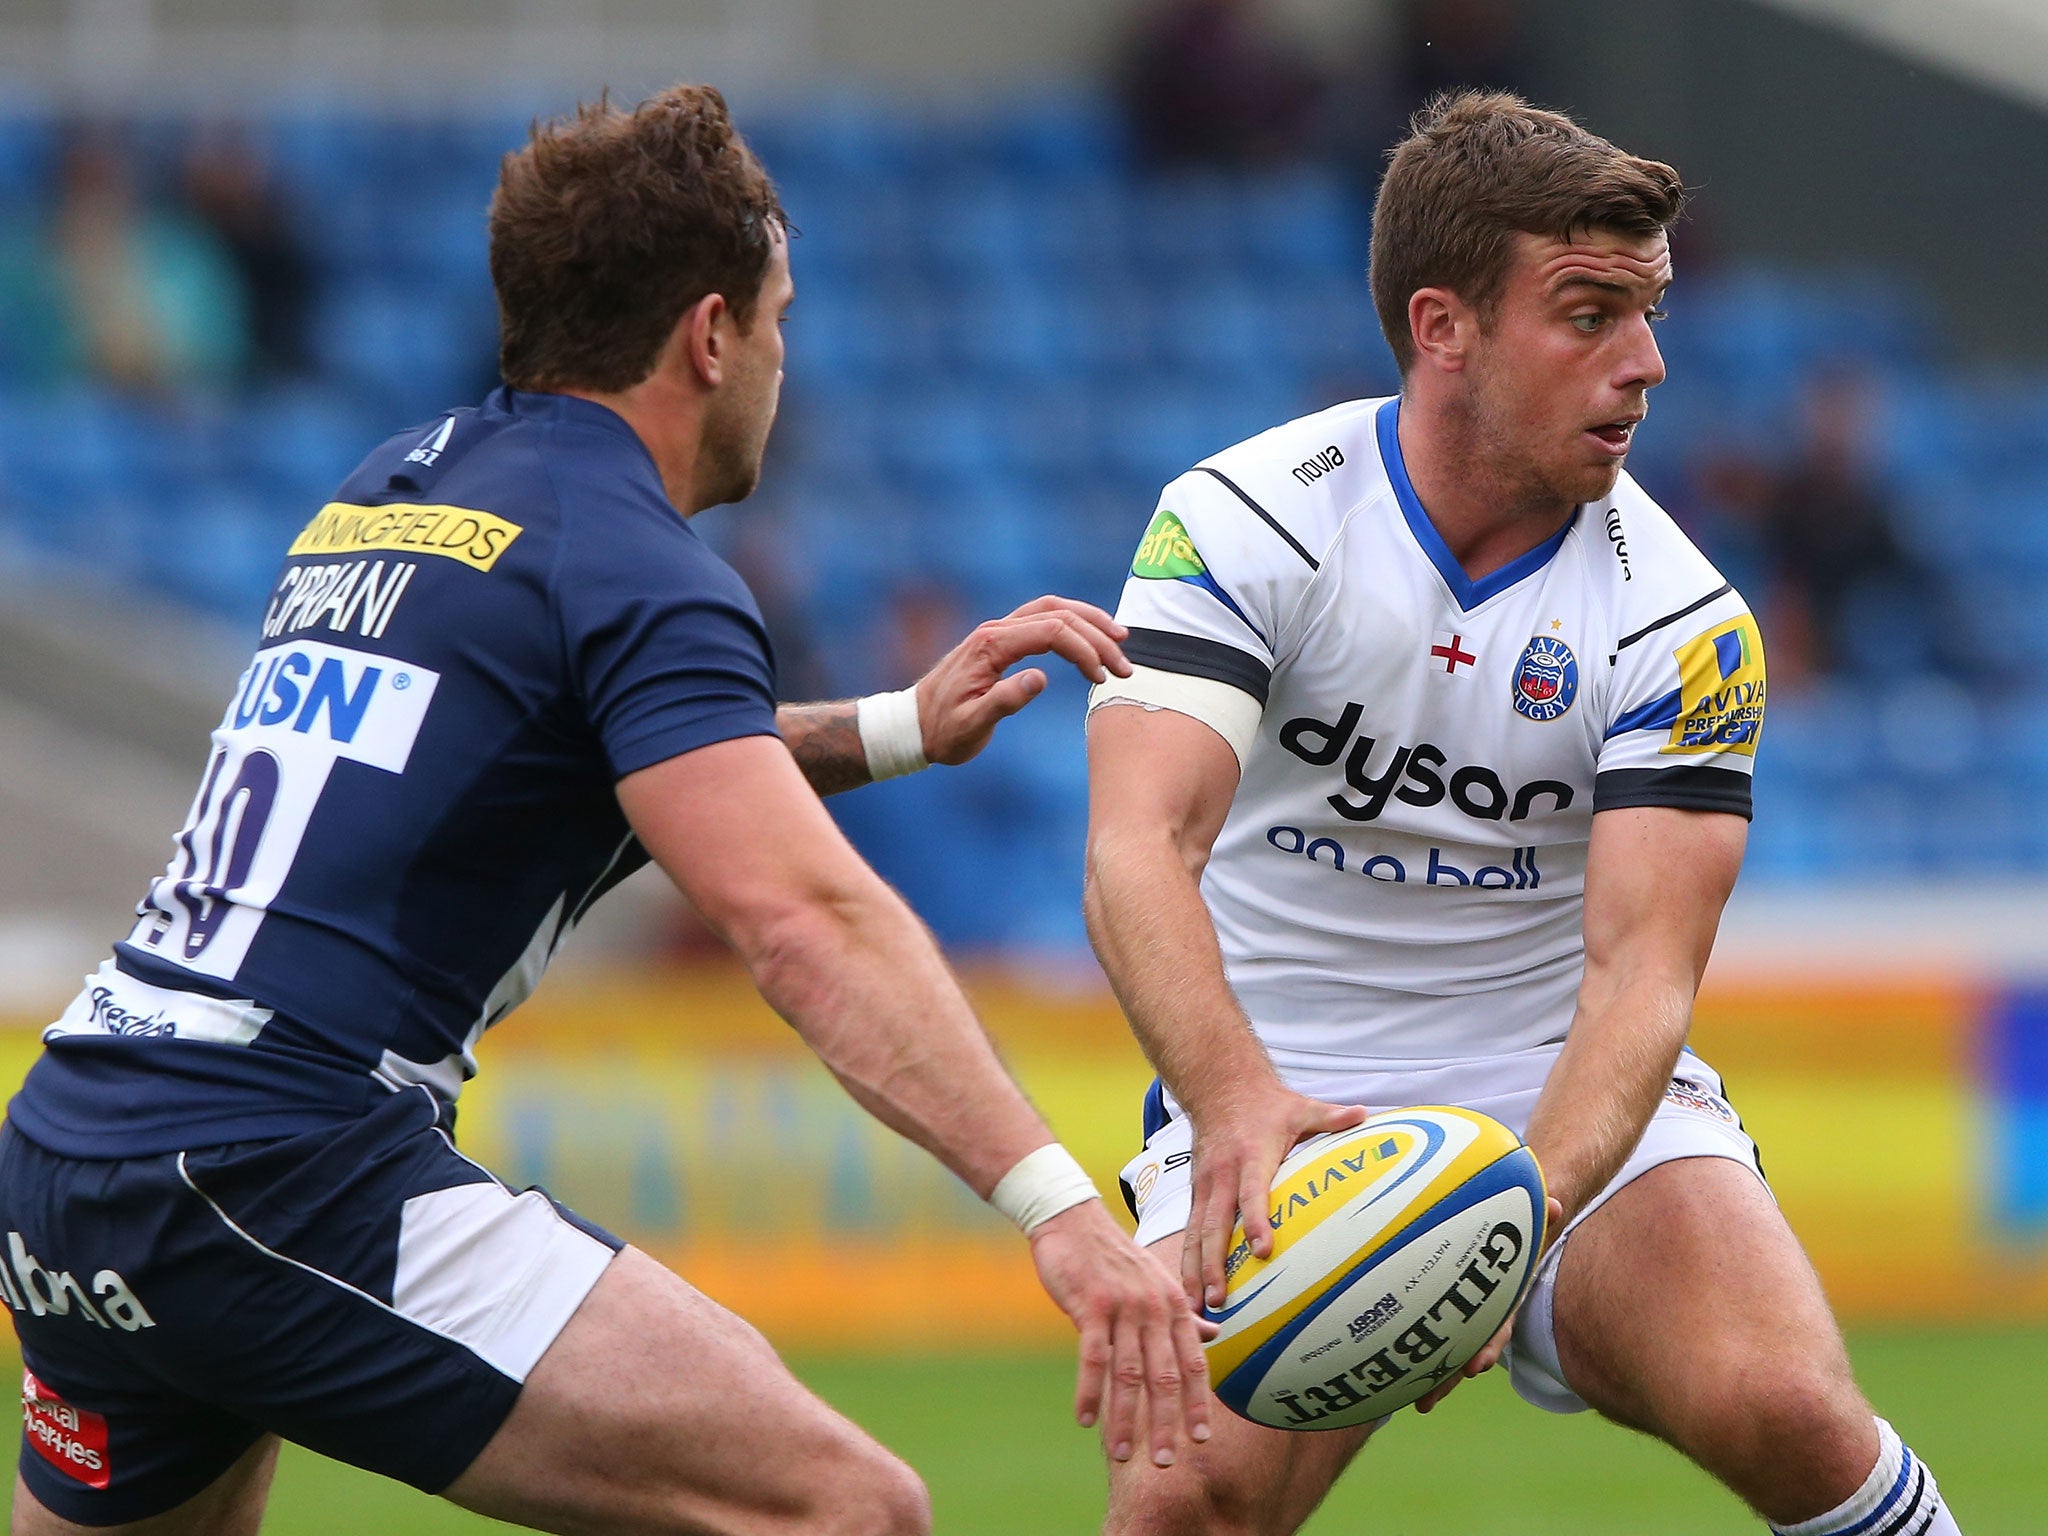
(1399, 1248)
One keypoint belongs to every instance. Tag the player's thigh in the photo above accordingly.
(231, 1506)
(1245, 1480)
(1685, 1307)
(655, 1409)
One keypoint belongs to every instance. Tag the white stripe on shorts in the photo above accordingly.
(498, 1272)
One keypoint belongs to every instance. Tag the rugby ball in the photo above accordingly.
(1399, 1248)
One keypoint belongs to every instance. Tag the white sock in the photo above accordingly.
(1897, 1499)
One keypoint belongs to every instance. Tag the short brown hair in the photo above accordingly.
(609, 225)
(1480, 167)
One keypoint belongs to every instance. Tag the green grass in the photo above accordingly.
(990, 1435)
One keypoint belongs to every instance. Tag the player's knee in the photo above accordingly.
(1791, 1417)
(1826, 1426)
(884, 1497)
(1186, 1503)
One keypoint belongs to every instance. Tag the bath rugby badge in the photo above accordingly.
(1546, 679)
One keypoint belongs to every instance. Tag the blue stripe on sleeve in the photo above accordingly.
(1657, 715)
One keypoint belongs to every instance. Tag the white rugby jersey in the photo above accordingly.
(1401, 873)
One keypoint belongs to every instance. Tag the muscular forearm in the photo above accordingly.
(1608, 1080)
(861, 980)
(1158, 947)
(825, 741)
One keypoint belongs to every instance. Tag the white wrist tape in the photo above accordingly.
(890, 734)
(1041, 1185)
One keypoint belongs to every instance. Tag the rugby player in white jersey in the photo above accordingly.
(1428, 786)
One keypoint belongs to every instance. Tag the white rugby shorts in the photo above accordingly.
(1695, 1119)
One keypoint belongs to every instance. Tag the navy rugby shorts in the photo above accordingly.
(364, 1290)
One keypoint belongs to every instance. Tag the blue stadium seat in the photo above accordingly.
(297, 443)
(412, 349)
(225, 554)
(27, 151)
(940, 438)
(999, 332)
(1054, 136)
(1184, 224)
(1305, 222)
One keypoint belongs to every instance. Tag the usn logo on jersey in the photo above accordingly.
(301, 708)
(1546, 679)
(1720, 690)
(344, 703)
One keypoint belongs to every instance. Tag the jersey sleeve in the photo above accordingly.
(1686, 711)
(1214, 580)
(664, 644)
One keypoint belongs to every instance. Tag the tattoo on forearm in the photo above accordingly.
(825, 741)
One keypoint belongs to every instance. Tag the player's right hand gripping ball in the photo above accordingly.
(1399, 1248)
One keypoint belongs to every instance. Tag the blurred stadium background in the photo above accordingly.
(1053, 252)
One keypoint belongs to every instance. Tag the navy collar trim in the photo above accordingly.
(573, 410)
(1469, 593)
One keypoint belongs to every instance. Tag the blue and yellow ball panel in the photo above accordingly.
(1399, 1248)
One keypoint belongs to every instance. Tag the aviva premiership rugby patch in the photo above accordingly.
(1166, 553)
(1546, 679)
(1720, 690)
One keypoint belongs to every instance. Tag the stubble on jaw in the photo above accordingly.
(731, 454)
(1495, 460)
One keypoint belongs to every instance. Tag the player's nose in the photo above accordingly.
(1641, 366)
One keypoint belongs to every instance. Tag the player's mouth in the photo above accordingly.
(1613, 436)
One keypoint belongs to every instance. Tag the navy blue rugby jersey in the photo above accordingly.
(410, 800)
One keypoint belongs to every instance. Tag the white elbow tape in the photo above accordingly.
(1041, 1185)
(890, 734)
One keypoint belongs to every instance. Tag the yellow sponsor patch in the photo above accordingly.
(1166, 553)
(460, 533)
(1720, 690)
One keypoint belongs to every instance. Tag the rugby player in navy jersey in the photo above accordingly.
(498, 673)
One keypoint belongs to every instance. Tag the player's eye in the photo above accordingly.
(1656, 313)
(1587, 325)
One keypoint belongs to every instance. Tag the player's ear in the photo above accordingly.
(1436, 324)
(701, 338)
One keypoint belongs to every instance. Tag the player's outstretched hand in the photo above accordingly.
(1239, 1146)
(1143, 1374)
(961, 700)
(1496, 1346)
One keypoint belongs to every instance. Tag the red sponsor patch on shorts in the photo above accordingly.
(69, 1439)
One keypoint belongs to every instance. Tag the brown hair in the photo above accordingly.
(1480, 167)
(608, 226)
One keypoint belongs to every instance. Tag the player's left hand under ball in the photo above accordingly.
(1496, 1346)
(962, 699)
(1143, 1373)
